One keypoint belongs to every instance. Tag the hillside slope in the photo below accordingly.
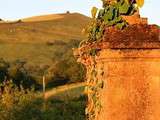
(44, 29)
(44, 46)
(44, 17)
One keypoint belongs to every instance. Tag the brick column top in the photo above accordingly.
(133, 36)
(137, 36)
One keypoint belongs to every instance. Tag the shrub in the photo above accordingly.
(3, 70)
(22, 104)
(14, 101)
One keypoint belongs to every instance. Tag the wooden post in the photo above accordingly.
(44, 90)
(44, 86)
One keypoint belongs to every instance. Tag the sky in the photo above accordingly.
(17, 9)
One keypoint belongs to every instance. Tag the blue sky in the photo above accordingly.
(16, 9)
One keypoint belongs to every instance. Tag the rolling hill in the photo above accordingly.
(44, 28)
(33, 38)
(44, 43)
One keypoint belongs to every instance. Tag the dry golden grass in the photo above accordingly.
(53, 27)
(44, 18)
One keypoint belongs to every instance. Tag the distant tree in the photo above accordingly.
(19, 75)
(68, 12)
(65, 68)
(19, 21)
(3, 70)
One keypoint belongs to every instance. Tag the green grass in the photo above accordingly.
(67, 105)
(66, 110)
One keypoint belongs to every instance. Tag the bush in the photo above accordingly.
(3, 70)
(21, 104)
(14, 100)
(19, 75)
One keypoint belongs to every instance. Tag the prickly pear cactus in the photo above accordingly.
(110, 15)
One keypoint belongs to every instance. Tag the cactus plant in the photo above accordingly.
(110, 15)
(94, 12)
(140, 3)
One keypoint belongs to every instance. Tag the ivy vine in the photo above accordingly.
(109, 16)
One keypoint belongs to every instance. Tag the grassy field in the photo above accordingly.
(66, 27)
(37, 54)
(34, 41)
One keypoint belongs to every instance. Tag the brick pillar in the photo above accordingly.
(132, 84)
(132, 74)
(131, 65)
